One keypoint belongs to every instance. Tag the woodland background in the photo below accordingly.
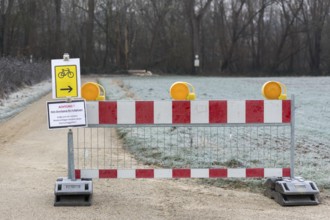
(231, 37)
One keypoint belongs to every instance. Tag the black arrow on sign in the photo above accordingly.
(69, 89)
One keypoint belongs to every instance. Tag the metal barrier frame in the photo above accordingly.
(77, 189)
(118, 114)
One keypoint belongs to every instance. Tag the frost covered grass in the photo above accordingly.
(205, 147)
(17, 101)
(312, 118)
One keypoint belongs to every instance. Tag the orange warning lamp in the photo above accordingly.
(274, 90)
(182, 91)
(92, 91)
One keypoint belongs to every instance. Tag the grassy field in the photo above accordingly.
(312, 119)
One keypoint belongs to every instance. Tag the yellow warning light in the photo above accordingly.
(274, 90)
(92, 91)
(182, 91)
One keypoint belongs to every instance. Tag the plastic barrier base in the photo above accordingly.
(73, 192)
(292, 192)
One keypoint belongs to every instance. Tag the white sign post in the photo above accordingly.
(196, 61)
(62, 114)
(67, 114)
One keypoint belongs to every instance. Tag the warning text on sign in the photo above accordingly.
(66, 114)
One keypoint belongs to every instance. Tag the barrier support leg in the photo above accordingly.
(71, 191)
(293, 191)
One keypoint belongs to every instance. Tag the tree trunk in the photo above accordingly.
(195, 23)
(89, 35)
(5, 26)
(58, 44)
(118, 40)
(314, 19)
(126, 47)
(261, 39)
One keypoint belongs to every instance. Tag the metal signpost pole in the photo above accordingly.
(292, 148)
(71, 173)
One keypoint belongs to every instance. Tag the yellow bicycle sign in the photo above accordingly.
(66, 78)
(66, 72)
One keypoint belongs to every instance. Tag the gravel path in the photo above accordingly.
(32, 157)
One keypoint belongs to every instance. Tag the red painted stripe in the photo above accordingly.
(218, 173)
(181, 112)
(217, 112)
(144, 173)
(255, 172)
(286, 172)
(108, 112)
(181, 173)
(112, 174)
(286, 111)
(144, 112)
(254, 111)
(77, 174)
(184, 173)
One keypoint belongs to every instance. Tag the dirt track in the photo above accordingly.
(32, 157)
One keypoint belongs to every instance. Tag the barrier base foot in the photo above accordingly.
(73, 192)
(292, 192)
(73, 200)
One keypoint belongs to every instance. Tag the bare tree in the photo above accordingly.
(236, 36)
(58, 34)
(89, 33)
(290, 11)
(238, 22)
(195, 17)
(257, 33)
(5, 22)
(314, 15)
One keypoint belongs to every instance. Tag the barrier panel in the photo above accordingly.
(194, 139)
(185, 139)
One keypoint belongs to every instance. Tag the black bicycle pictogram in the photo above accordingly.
(66, 72)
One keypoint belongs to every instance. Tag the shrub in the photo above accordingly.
(16, 73)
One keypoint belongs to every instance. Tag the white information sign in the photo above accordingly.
(196, 63)
(64, 114)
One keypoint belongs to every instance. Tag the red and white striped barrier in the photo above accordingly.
(188, 112)
(183, 173)
(173, 113)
